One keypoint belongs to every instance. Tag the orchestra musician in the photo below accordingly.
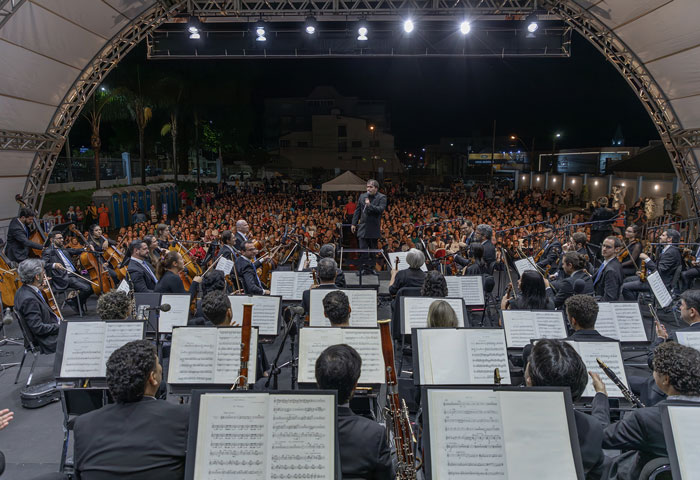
(140, 271)
(576, 280)
(336, 308)
(467, 231)
(551, 250)
(155, 253)
(242, 230)
(168, 273)
(163, 236)
(18, 243)
(328, 251)
(412, 276)
(630, 261)
(533, 295)
(99, 243)
(32, 307)
(693, 272)
(482, 236)
(247, 266)
(63, 273)
(326, 271)
(602, 226)
(228, 249)
(668, 261)
(582, 312)
(608, 278)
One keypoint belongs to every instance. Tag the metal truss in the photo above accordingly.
(28, 141)
(7, 8)
(679, 143)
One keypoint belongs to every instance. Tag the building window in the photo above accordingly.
(342, 131)
(342, 146)
(357, 144)
(303, 144)
(284, 143)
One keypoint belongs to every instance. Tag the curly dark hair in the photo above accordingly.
(681, 364)
(336, 307)
(434, 285)
(215, 304)
(214, 280)
(113, 305)
(583, 308)
(128, 369)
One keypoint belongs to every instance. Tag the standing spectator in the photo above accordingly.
(154, 214)
(80, 218)
(90, 214)
(103, 213)
(668, 204)
(71, 216)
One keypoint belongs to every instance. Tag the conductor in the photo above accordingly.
(366, 221)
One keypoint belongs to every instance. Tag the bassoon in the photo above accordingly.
(242, 380)
(404, 440)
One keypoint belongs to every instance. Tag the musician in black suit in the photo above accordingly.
(640, 432)
(247, 266)
(99, 244)
(631, 262)
(168, 273)
(576, 281)
(228, 249)
(690, 314)
(582, 312)
(366, 221)
(326, 271)
(32, 307)
(668, 261)
(242, 230)
(328, 251)
(63, 273)
(141, 274)
(364, 450)
(554, 363)
(482, 236)
(602, 226)
(138, 437)
(608, 278)
(18, 243)
(551, 251)
(467, 231)
(412, 276)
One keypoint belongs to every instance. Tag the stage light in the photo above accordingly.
(103, 89)
(260, 32)
(194, 36)
(531, 21)
(537, 179)
(362, 33)
(311, 25)
(465, 27)
(554, 180)
(558, 135)
(193, 25)
(523, 178)
(408, 26)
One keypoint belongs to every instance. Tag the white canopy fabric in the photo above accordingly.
(345, 182)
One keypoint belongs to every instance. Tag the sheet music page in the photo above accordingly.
(660, 291)
(313, 261)
(437, 368)
(368, 343)
(686, 437)
(124, 287)
(470, 288)
(225, 265)
(415, 310)
(549, 324)
(524, 264)
(519, 326)
(544, 425)
(301, 434)
(83, 350)
(363, 307)
(487, 351)
(178, 314)
(629, 322)
(689, 339)
(193, 355)
(605, 322)
(290, 285)
(231, 437)
(266, 311)
(118, 334)
(403, 265)
(228, 355)
(313, 341)
(609, 353)
(466, 435)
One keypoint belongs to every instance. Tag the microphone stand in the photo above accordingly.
(289, 331)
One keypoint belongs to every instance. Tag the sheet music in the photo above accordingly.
(466, 435)
(177, 315)
(469, 287)
(231, 437)
(524, 264)
(228, 355)
(521, 326)
(225, 265)
(290, 285)
(118, 334)
(124, 287)
(313, 261)
(363, 307)
(609, 353)
(686, 437)
(436, 368)
(621, 321)
(367, 342)
(549, 324)
(403, 265)
(415, 311)
(487, 351)
(266, 311)
(660, 291)
(301, 436)
(83, 350)
(689, 339)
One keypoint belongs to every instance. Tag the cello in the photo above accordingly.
(114, 257)
(100, 280)
(37, 235)
(9, 282)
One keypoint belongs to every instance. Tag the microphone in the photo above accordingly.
(163, 308)
(579, 286)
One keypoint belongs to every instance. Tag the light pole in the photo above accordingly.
(532, 148)
(554, 145)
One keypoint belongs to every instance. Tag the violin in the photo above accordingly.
(50, 298)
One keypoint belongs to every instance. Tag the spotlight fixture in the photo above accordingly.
(195, 36)
(465, 27)
(260, 32)
(362, 33)
(531, 22)
(311, 25)
(408, 26)
(193, 25)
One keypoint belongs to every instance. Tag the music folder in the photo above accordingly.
(290, 285)
(521, 326)
(266, 312)
(471, 433)
(621, 321)
(680, 423)
(469, 287)
(414, 312)
(363, 307)
(254, 435)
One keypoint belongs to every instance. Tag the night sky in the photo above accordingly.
(583, 96)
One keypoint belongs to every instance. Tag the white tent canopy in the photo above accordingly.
(345, 182)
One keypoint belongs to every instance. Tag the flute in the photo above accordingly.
(631, 397)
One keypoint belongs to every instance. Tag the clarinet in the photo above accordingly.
(398, 413)
(631, 397)
(242, 380)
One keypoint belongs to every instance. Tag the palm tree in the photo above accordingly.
(170, 94)
(94, 113)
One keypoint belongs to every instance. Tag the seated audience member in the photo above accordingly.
(434, 285)
(554, 363)
(640, 433)
(582, 311)
(532, 294)
(364, 450)
(336, 308)
(114, 305)
(32, 307)
(327, 270)
(138, 437)
(412, 276)
(441, 314)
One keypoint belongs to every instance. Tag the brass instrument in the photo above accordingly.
(631, 397)
(242, 380)
(404, 440)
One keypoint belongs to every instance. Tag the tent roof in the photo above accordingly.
(345, 182)
(653, 159)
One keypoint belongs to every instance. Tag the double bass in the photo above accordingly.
(37, 235)
(9, 282)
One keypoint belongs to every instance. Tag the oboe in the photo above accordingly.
(631, 397)
(242, 380)
(398, 413)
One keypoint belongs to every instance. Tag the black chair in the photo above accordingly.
(657, 469)
(30, 346)
(66, 294)
(75, 402)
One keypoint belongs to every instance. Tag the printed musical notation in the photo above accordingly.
(521, 326)
(266, 311)
(621, 321)
(363, 306)
(290, 285)
(610, 354)
(470, 288)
